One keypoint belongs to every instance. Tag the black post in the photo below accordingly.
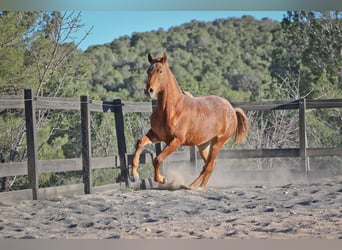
(158, 146)
(86, 145)
(121, 139)
(193, 159)
(30, 122)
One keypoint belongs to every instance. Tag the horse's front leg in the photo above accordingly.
(149, 138)
(171, 147)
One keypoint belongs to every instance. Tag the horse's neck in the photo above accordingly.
(168, 98)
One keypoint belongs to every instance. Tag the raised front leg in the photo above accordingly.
(149, 138)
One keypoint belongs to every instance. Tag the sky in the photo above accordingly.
(109, 25)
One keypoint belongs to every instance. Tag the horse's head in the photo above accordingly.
(156, 74)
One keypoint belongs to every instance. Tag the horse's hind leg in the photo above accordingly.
(209, 154)
(149, 138)
(204, 151)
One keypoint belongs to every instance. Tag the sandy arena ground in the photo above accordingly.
(287, 210)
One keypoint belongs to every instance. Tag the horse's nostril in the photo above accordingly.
(150, 90)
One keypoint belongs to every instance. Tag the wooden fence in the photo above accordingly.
(87, 163)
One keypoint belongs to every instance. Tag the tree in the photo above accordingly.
(46, 59)
(312, 62)
(310, 45)
(15, 29)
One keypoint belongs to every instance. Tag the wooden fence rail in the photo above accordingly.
(87, 163)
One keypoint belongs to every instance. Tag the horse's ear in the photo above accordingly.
(150, 58)
(164, 58)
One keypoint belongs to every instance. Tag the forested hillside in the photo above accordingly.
(242, 59)
(230, 57)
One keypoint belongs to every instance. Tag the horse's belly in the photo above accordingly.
(198, 123)
(204, 126)
(194, 134)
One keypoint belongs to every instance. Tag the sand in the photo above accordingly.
(304, 209)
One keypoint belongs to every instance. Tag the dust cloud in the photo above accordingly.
(180, 173)
(229, 173)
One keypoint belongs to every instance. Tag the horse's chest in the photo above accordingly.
(161, 126)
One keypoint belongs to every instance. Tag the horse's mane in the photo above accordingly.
(187, 93)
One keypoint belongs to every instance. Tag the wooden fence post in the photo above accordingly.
(30, 121)
(302, 136)
(121, 140)
(86, 145)
(158, 145)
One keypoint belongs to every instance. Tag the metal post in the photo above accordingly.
(193, 159)
(158, 145)
(302, 136)
(86, 145)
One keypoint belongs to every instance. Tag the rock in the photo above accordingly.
(231, 233)
(251, 206)
(72, 225)
(28, 237)
(304, 203)
(269, 209)
(151, 220)
(115, 236)
(88, 224)
(285, 230)
(230, 210)
(287, 185)
(230, 220)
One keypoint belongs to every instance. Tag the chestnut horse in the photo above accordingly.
(180, 119)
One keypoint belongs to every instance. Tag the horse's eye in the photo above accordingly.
(160, 71)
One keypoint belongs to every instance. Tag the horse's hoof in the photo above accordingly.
(185, 187)
(135, 178)
(161, 181)
(195, 188)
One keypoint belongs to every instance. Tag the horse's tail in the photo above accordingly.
(242, 127)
